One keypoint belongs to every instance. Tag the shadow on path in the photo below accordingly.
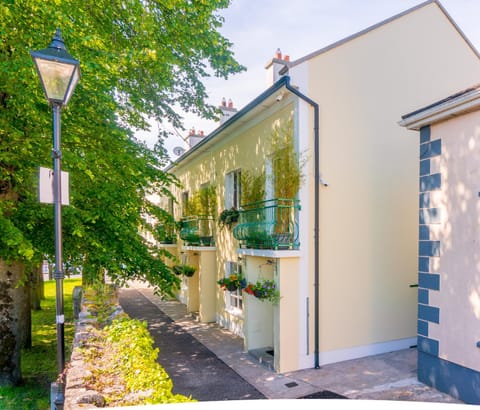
(194, 370)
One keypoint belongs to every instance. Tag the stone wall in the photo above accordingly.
(77, 395)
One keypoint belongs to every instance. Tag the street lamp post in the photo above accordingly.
(59, 73)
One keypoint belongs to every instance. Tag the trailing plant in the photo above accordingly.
(264, 290)
(287, 163)
(228, 217)
(253, 186)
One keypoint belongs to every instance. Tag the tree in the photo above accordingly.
(140, 60)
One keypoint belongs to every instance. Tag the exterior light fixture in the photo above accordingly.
(59, 73)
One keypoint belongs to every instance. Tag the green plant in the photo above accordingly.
(39, 366)
(100, 300)
(253, 186)
(185, 270)
(202, 203)
(228, 217)
(287, 163)
(132, 361)
(166, 232)
(264, 290)
(232, 282)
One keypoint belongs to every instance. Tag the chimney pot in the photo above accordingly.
(278, 54)
(230, 103)
(224, 102)
(286, 57)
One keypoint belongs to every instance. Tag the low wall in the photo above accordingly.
(77, 396)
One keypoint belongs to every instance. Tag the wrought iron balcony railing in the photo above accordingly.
(271, 224)
(197, 230)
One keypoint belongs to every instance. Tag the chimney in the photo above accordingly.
(227, 110)
(275, 66)
(194, 137)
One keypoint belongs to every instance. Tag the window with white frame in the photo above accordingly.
(234, 300)
(232, 189)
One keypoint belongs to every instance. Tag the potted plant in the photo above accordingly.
(228, 217)
(264, 290)
(232, 282)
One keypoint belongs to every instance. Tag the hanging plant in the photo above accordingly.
(264, 290)
(185, 270)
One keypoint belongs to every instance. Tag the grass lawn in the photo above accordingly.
(39, 364)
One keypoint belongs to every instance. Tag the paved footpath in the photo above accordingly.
(194, 370)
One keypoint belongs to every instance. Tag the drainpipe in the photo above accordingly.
(317, 213)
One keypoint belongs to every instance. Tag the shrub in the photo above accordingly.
(130, 374)
(136, 359)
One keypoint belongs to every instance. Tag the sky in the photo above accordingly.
(297, 27)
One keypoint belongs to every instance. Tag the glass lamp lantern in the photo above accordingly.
(59, 72)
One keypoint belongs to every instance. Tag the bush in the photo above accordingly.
(136, 359)
(124, 363)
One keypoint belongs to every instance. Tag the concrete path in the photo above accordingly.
(207, 361)
(194, 370)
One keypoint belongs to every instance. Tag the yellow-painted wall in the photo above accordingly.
(246, 148)
(368, 213)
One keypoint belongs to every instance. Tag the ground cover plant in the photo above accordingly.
(39, 365)
(120, 357)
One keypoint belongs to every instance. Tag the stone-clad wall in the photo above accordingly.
(77, 396)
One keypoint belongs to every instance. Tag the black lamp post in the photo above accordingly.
(59, 73)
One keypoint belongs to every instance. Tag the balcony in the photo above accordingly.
(271, 224)
(197, 230)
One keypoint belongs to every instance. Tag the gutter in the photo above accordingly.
(254, 103)
(293, 90)
(457, 104)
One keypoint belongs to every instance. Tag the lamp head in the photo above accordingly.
(59, 72)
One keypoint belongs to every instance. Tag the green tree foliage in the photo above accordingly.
(140, 59)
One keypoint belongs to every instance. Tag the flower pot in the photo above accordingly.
(258, 294)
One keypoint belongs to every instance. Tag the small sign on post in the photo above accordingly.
(45, 191)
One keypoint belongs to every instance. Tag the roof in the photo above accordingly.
(380, 24)
(285, 79)
(281, 83)
(464, 101)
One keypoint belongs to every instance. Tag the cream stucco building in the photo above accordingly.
(345, 264)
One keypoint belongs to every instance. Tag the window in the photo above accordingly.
(232, 189)
(234, 300)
